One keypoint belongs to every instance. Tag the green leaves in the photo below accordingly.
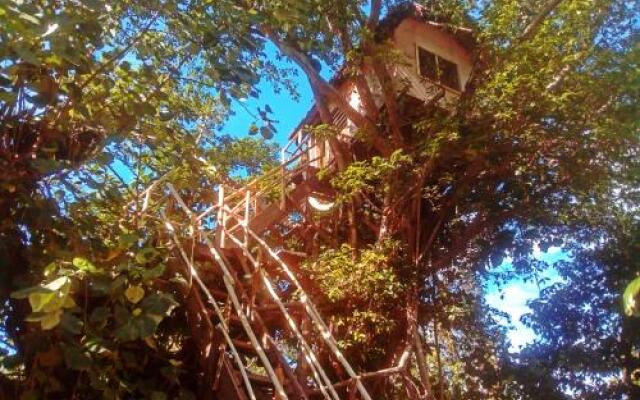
(99, 316)
(631, 298)
(137, 327)
(379, 174)
(24, 293)
(156, 98)
(143, 321)
(159, 304)
(76, 358)
(126, 240)
(48, 301)
(371, 275)
(146, 255)
(48, 320)
(267, 132)
(150, 274)
(134, 293)
(364, 288)
(84, 265)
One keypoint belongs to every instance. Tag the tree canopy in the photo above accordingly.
(100, 101)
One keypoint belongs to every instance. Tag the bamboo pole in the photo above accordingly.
(224, 327)
(381, 372)
(228, 281)
(315, 316)
(322, 380)
(245, 222)
(222, 220)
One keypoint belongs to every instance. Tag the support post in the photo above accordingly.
(247, 210)
(283, 160)
(221, 215)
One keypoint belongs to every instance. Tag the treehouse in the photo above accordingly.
(433, 61)
(432, 65)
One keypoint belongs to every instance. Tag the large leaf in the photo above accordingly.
(83, 264)
(51, 320)
(134, 293)
(26, 292)
(138, 327)
(158, 304)
(631, 298)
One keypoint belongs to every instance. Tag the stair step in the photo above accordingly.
(244, 347)
(257, 379)
(290, 306)
(219, 295)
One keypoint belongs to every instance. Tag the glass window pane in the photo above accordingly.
(448, 74)
(427, 63)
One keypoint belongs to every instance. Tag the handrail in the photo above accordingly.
(296, 154)
(311, 311)
(308, 353)
(274, 171)
(225, 328)
(297, 148)
(228, 280)
(243, 190)
(304, 140)
(146, 194)
(381, 372)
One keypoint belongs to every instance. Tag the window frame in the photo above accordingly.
(437, 82)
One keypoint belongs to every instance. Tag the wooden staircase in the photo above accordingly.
(264, 319)
(270, 333)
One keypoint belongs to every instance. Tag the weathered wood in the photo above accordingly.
(230, 387)
(274, 213)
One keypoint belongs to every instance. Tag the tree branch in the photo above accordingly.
(390, 101)
(539, 19)
(322, 87)
(374, 16)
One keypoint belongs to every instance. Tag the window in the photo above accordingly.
(428, 64)
(438, 69)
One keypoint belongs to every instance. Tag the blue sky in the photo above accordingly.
(286, 110)
(513, 296)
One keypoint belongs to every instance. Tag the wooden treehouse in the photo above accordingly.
(271, 341)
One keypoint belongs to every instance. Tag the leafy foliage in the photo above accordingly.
(630, 298)
(99, 100)
(373, 286)
(584, 334)
(362, 177)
